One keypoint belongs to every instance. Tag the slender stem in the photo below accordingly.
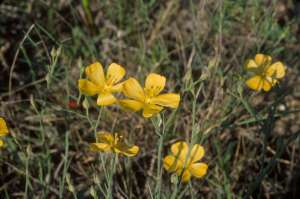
(110, 181)
(174, 194)
(65, 169)
(102, 159)
(98, 120)
(159, 153)
(27, 176)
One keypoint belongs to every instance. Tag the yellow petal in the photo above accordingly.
(131, 104)
(100, 147)
(186, 176)
(198, 169)
(105, 137)
(267, 85)
(271, 81)
(3, 127)
(197, 153)
(171, 163)
(123, 148)
(170, 100)
(180, 149)
(263, 60)
(250, 64)
(88, 88)
(117, 87)
(105, 99)
(255, 83)
(154, 84)
(95, 73)
(115, 73)
(130, 151)
(151, 109)
(132, 89)
(276, 70)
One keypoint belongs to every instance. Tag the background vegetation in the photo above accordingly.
(251, 139)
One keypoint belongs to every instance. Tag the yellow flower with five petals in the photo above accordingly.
(98, 84)
(183, 161)
(3, 130)
(149, 99)
(266, 73)
(108, 142)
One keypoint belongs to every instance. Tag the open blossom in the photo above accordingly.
(184, 162)
(3, 131)
(266, 73)
(149, 99)
(108, 142)
(98, 84)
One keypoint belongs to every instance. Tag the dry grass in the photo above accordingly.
(251, 139)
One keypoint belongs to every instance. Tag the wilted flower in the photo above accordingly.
(108, 142)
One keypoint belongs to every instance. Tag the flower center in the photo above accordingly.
(117, 138)
(106, 88)
(153, 91)
(263, 69)
(148, 100)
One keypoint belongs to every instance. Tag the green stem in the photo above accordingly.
(27, 178)
(65, 169)
(159, 154)
(110, 181)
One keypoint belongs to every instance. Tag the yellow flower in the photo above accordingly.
(107, 142)
(266, 74)
(148, 98)
(184, 162)
(98, 84)
(3, 130)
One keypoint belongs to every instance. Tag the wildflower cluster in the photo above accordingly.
(147, 99)
(184, 159)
